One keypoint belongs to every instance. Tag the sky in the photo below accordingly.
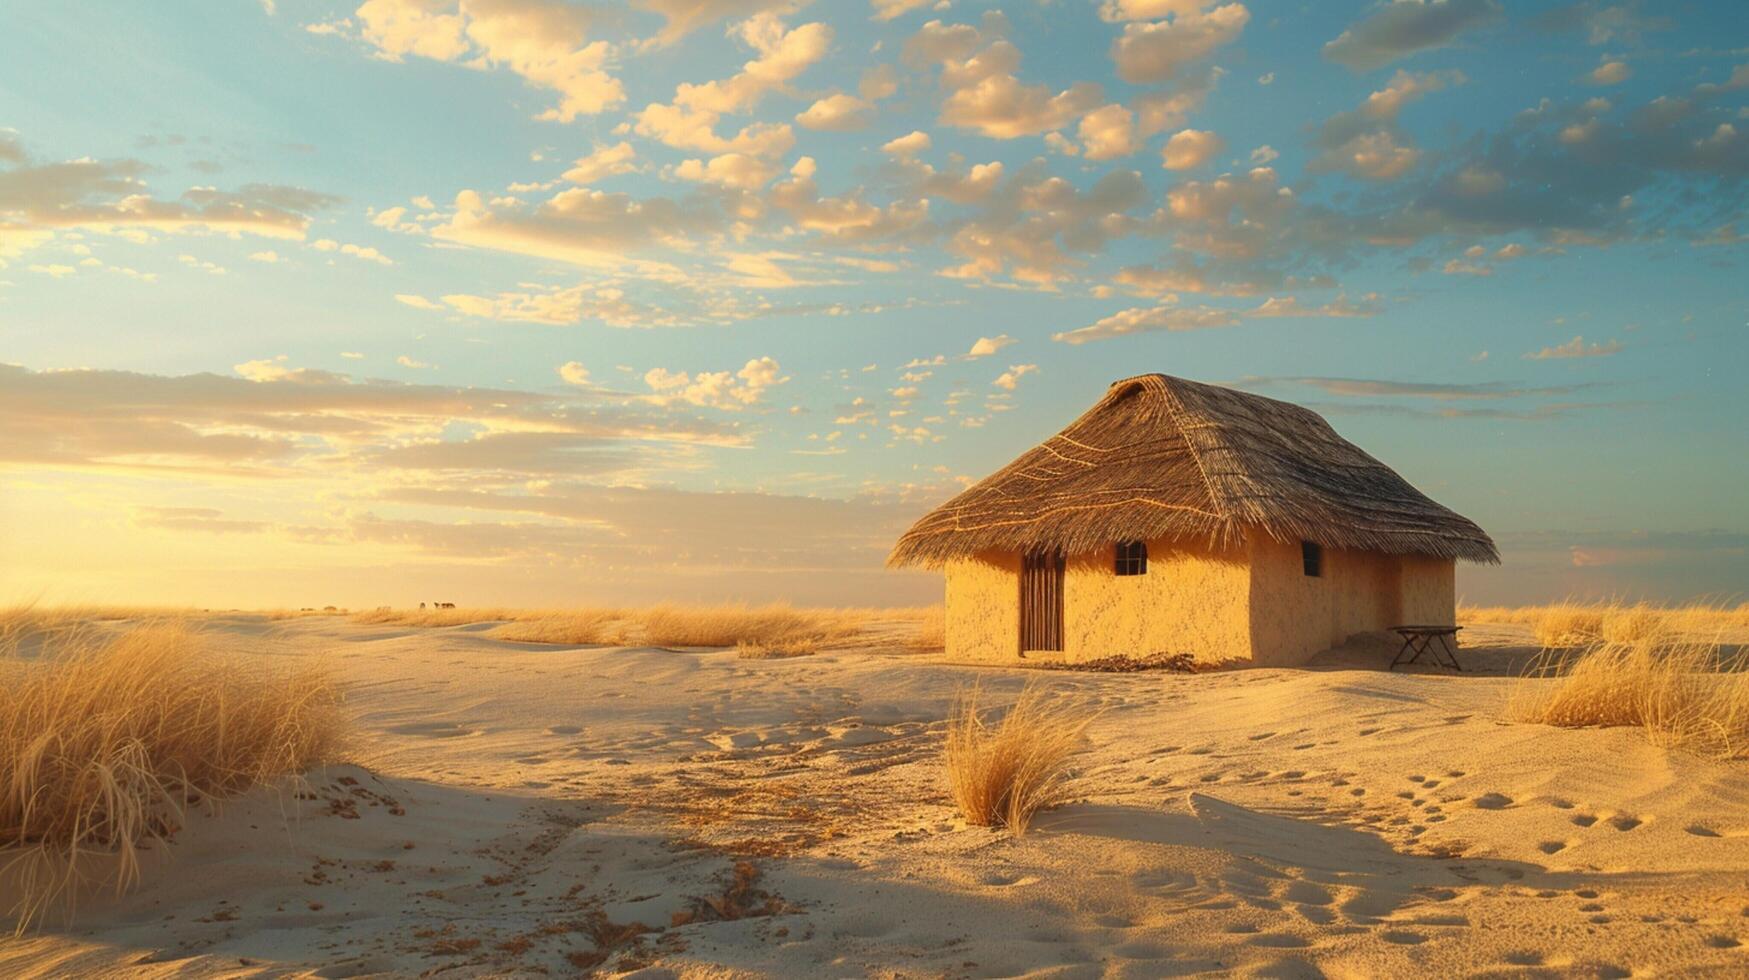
(537, 302)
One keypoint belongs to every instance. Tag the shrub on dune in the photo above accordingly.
(106, 742)
(1001, 773)
(1685, 693)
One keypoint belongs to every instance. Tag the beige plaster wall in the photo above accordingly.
(1192, 600)
(1429, 590)
(1294, 616)
(1254, 601)
(983, 608)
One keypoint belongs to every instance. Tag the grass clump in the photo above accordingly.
(1684, 693)
(931, 632)
(1583, 624)
(1000, 773)
(105, 742)
(774, 650)
(669, 624)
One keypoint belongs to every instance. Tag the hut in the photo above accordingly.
(1178, 517)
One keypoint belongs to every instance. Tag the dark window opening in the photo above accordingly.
(1313, 557)
(1132, 558)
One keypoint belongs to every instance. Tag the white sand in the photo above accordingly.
(1337, 820)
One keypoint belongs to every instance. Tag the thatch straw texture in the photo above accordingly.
(1162, 457)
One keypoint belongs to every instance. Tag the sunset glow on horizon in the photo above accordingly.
(531, 302)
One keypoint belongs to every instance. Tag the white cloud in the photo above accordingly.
(907, 146)
(1008, 379)
(416, 301)
(1190, 148)
(268, 256)
(1108, 132)
(1575, 348)
(1148, 319)
(408, 362)
(689, 121)
(1403, 27)
(366, 253)
(985, 346)
(604, 161)
(574, 373)
(983, 92)
(542, 41)
(202, 264)
(1156, 52)
(716, 389)
(889, 9)
(1610, 73)
(837, 113)
(736, 170)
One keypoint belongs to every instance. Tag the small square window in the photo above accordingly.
(1312, 556)
(1132, 558)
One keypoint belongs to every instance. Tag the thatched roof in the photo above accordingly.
(1161, 457)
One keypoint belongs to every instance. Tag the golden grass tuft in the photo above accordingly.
(1001, 773)
(106, 741)
(931, 632)
(669, 624)
(774, 650)
(1684, 692)
(1582, 624)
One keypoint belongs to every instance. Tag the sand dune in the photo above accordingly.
(524, 808)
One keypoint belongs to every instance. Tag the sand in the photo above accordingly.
(521, 809)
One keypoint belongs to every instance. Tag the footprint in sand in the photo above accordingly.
(1552, 846)
(1624, 822)
(1004, 879)
(1280, 940)
(1493, 801)
(1723, 942)
(1584, 820)
(1700, 831)
(433, 729)
(1307, 893)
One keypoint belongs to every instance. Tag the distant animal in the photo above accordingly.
(446, 605)
(330, 609)
(422, 605)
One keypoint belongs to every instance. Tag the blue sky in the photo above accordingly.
(533, 301)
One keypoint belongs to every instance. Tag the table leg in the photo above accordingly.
(1407, 640)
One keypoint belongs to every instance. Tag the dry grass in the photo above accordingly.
(1685, 693)
(437, 617)
(931, 632)
(1001, 773)
(1581, 624)
(106, 741)
(774, 625)
(775, 650)
(22, 620)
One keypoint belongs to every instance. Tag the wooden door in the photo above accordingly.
(1041, 601)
